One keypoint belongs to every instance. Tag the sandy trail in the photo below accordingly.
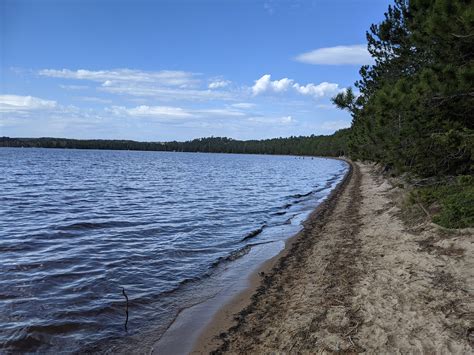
(359, 279)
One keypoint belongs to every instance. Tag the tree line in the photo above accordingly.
(332, 145)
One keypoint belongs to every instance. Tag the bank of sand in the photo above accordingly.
(357, 278)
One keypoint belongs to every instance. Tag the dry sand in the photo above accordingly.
(358, 278)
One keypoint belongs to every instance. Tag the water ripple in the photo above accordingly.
(77, 226)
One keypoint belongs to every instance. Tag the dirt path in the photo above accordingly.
(357, 279)
(417, 289)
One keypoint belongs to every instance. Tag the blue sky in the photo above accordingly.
(177, 70)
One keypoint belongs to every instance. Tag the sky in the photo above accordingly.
(177, 70)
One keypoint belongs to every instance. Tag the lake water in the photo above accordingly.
(77, 226)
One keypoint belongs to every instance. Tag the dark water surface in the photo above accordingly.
(78, 225)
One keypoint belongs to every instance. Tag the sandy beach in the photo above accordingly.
(361, 276)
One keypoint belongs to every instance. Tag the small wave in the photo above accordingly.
(190, 280)
(14, 248)
(322, 188)
(232, 256)
(26, 343)
(8, 296)
(236, 254)
(301, 195)
(288, 205)
(333, 178)
(129, 188)
(57, 328)
(254, 233)
(31, 338)
(174, 253)
(94, 225)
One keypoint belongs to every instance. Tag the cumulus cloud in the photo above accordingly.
(265, 84)
(339, 55)
(320, 90)
(217, 84)
(17, 103)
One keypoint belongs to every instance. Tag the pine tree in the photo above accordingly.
(414, 107)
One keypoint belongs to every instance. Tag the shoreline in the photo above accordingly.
(208, 340)
(357, 278)
(191, 318)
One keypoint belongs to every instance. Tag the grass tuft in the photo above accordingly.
(450, 205)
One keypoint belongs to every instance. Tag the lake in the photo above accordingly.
(78, 226)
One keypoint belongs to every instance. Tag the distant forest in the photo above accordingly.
(333, 145)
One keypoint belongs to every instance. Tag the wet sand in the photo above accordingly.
(358, 278)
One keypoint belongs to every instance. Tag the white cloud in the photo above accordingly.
(243, 105)
(281, 85)
(152, 111)
(261, 85)
(171, 112)
(165, 93)
(165, 85)
(16, 103)
(266, 84)
(108, 77)
(339, 55)
(320, 90)
(217, 84)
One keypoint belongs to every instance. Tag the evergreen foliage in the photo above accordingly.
(414, 110)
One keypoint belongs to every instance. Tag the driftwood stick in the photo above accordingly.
(126, 309)
(424, 210)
